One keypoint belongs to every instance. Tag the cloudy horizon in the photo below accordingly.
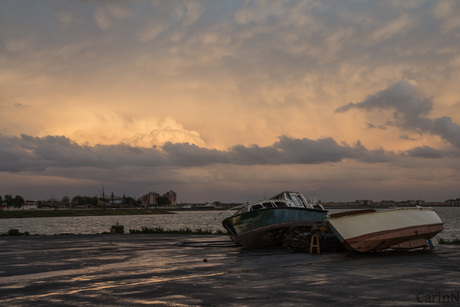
(230, 101)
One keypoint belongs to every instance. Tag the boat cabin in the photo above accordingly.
(284, 199)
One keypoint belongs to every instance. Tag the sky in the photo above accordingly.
(230, 101)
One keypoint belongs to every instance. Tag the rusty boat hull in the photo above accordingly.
(264, 223)
(266, 228)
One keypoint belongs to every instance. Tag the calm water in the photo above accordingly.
(210, 220)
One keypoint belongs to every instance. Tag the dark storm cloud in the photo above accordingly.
(402, 96)
(186, 154)
(411, 111)
(448, 130)
(303, 151)
(425, 152)
(27, 153)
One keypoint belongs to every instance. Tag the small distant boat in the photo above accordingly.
(369, 230)
(264, 223)
(206, 206)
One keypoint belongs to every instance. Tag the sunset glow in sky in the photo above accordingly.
(230, 101)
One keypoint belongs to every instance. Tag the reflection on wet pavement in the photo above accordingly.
(174, 270)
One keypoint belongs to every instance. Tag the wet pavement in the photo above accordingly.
(195, 270)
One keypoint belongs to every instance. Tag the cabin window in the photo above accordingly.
(256, 207)
(280, 204)
(297, 201)
(243, 210)
(268, 205)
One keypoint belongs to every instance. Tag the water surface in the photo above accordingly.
(208, 220)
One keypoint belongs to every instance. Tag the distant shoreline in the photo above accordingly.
(33, 213)
(382, 206)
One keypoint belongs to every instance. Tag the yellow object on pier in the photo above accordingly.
(314, 243)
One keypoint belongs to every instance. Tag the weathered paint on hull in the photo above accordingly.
(384, 240)
(411, 244)
(271, 235)
(263, 228)
(378, 230)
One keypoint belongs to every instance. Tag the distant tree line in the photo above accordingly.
(81, 201)
(10, 201)
(84, 201)
(163, 201)
(93, 201)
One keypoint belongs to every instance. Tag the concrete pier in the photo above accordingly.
(195, 270)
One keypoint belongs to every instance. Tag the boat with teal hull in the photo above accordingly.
(264, 223)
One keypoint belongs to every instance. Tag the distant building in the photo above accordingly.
(172, 196)
(30, 204)
(46, 204)
(453, 202)
(365, 202)
(387, 203)
(150, 199)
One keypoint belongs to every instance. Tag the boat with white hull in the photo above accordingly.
(368, 230)
(264, 223)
